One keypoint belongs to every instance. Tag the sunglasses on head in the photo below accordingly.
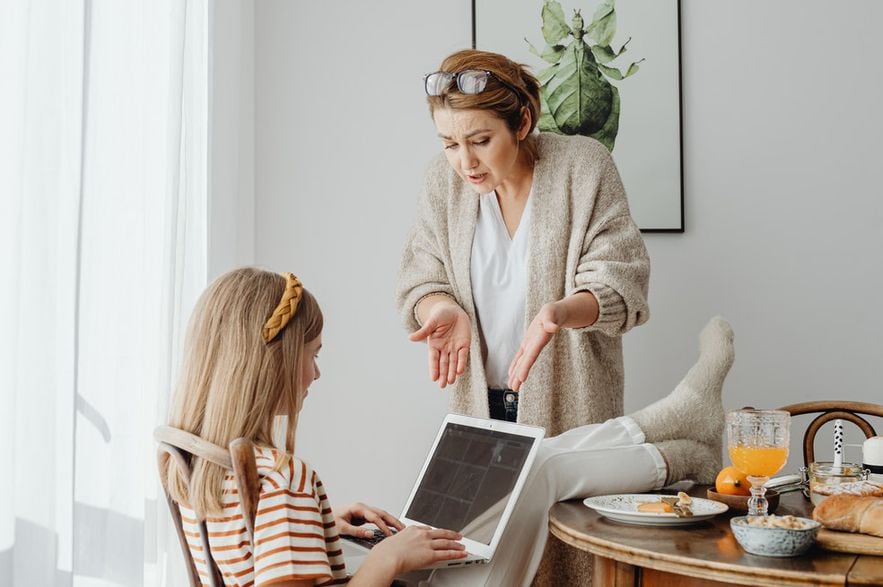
(470, 81)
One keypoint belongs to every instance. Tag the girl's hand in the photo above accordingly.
(448, 333)
(350, 518)
(416, 547)
(541, 330)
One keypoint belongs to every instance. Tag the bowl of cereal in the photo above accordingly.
(778, 536)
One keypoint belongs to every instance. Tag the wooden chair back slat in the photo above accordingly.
(182, 447)
(164, 452)
(833, 410)
(194, 445)
(810, 435)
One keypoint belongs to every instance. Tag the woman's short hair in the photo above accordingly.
(497, 98)
(232, 383)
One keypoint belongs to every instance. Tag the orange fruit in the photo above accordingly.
(732, 481)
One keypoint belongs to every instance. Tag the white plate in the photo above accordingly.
(624, 508)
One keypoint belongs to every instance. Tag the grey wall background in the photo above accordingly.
(231, 233)
(784, 215)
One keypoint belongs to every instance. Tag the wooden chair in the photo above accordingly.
(183, 446)
(833, 410)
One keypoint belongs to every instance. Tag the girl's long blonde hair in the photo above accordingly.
(232, 383)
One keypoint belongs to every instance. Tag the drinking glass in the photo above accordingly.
(758, 446)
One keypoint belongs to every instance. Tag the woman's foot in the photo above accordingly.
(689, 459)
(694, 410)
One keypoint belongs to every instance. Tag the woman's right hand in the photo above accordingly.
(448, 333)
(416, 547)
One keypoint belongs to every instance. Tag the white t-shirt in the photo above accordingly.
(499, 285)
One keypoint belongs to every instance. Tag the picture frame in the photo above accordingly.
(646, 142)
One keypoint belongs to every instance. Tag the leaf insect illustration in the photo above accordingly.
(575, 94)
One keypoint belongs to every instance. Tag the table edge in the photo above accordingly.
(684, 566)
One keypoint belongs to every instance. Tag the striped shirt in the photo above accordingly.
(295, 534)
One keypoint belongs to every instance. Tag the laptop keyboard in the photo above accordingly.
(369, 542)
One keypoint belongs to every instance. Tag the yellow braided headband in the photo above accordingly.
(286, 308)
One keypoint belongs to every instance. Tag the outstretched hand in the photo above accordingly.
(542, 328)
(448, 334)
(349, 520)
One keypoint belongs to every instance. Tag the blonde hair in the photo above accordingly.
(232, 383)
(497, 98)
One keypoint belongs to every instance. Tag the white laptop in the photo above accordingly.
(469, 483)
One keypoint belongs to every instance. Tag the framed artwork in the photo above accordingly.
(609, 70)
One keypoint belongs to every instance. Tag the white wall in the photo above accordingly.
(231, 237)
(784, 212)
(342, 137)
(784, 215)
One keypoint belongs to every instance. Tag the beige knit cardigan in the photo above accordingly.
(581, 238)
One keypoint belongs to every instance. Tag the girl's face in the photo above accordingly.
(480, 147)
(310, 368)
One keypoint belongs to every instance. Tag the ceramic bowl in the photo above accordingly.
(779, 542)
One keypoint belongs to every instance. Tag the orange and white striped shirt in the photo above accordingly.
(295, 534)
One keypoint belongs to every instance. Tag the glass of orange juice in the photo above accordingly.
(758, 445)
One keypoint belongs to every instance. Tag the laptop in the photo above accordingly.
(469, 483)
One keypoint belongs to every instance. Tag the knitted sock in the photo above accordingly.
(688, 459)
(694, 410)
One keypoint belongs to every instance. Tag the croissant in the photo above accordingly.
(851, 513)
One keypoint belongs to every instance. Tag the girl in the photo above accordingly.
(244, 364)
(251, 355)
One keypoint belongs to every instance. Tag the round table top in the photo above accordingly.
(706, 550)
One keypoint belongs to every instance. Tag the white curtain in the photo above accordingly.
(103, 180)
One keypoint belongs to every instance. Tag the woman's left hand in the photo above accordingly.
(350, 518)
(541, 330)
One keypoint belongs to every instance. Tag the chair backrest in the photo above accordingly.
(182, 447)
(833, 410)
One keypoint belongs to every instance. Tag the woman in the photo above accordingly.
(523, 241)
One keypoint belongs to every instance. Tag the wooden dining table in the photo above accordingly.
(704, 554)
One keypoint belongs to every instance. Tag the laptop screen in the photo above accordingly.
(469, 479)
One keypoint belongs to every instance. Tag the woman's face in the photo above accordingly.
(480, 147)
(310, 368)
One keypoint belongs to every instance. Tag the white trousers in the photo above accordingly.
(597, 459)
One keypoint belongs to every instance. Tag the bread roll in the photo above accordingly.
(850, 513)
